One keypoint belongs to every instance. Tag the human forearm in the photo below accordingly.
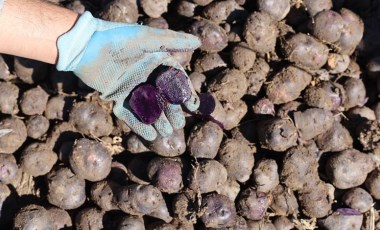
(30, 28)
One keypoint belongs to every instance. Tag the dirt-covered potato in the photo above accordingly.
(326, 95)
(355, 93)
(61, 218)
(134, 144)
(102, 194)
(37, 159)
(15, 136)
(327, 26)
(33, 217)
(207, 176)
(131, 222)
(305, 51)
(213, 37)
(186, 8)
(238, 158)
(229, 86)
(4, 193)
(263, 107)
(283, 223)
(159, 23)
(89, 218)
(154, 8)
(5, 73)
(204, 140)
(359, 199)
(166, 174)
(344, 218)
(256, 76)
(260, 32)
(30, 71)
(91, 119)
(37, 126)
(170, 146)
(316, 200)
(277, 9)
(8, 168)
(253, 204)
(277, 134)
(209, 63)
(226, 10)
(219, 211)
(243, 57)
(65, 189)
(121, 11)
(337, 63)
(284, 202)
(352, 34)
(8, 98)
(230, 189)
(313, 122)
(34, 101)
(58, 108)
(143, 199)
(349, 168)
(372, 183)
(90, 160)
(300, 167)
(234, 112)
(287, 85)
(265, 175)
(336, 139)
(313, 7)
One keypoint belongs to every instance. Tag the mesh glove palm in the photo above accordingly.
(113, 58)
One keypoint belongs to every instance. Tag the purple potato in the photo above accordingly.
(173, 85)
(146, 103)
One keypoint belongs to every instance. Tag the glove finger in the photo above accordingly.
(163, 126)
(168, 40)
(175, 116)
(145, 131)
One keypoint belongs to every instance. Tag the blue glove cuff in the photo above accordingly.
(73, 43)
(1, 5)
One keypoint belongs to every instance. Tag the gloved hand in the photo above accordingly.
(113, 58)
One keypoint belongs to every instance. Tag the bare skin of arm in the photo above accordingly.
(30, 29)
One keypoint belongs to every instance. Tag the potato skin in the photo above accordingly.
(207, 177)
(229, 85)
(91, 119)
(253, 204)
(8, 98)
(66, 190)
(204, 140)
(90, 160)
(37, 126)
(121, 11)
(33, 217)
(10, 142)
(358, 199)
(238, 158)
(277, 134)
(213, 37)
(37, 159)
(89, 218)
(284, 201)
(34, 101)
(322, 121)
(349, 168)
(219, 211)
(170, 146)
(8, 168)
(327, 26)
(287, 85)
(260, 32)
(372, 183)
(305, 51)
